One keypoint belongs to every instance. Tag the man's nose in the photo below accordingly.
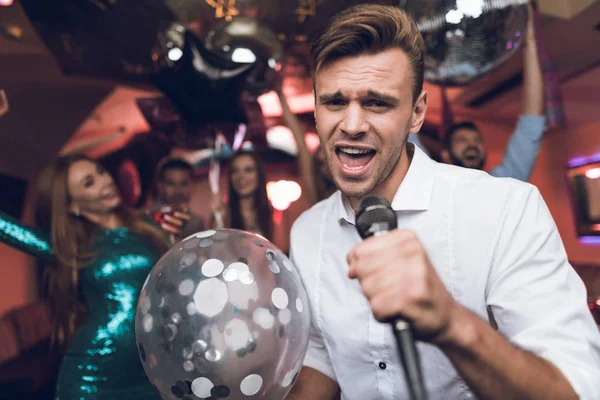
(354, 123)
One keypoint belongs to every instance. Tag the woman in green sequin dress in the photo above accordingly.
(103, 253)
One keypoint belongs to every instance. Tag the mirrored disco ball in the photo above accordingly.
(223, 314)
(466, 39)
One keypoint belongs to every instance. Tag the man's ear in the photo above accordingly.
(419, 112)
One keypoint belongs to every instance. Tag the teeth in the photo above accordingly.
(354, 168)
(349, 150)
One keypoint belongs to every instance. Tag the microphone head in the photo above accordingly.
(374, 215)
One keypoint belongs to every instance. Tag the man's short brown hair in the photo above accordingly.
(371, 29)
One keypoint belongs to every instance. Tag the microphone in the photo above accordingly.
(376, 217)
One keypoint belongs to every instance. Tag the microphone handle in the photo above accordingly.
(410, 359)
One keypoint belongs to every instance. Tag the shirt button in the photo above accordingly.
(382, 365)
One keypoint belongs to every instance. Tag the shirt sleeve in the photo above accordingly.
(317, 356)
(537, 299)
(522, 150)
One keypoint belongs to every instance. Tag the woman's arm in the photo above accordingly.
(305, 163)
(25, 238)
(218, 213)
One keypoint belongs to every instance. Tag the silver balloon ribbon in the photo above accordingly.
(214, 174)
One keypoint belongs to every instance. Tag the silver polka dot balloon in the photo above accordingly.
(223, 314)
(466, 39)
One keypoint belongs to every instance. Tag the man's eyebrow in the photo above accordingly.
(384, 97)
(325, 98)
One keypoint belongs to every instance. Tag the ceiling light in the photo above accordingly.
(593, 173)
(243, 55)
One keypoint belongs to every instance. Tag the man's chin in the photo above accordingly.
(353, 188)
(478, 165)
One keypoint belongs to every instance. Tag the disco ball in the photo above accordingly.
(466, 39)
(223, 314)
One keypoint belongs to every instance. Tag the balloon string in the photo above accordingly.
(239, 137)
(214, 174)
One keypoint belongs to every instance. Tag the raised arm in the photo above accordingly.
(305, 164)
(25, 238)
(533, 83)
(524, 145)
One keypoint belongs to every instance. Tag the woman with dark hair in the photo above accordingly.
(248, 207)
(102, 252)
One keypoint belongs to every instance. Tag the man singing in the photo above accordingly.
(471, 252)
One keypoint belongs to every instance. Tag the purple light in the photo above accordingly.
(579, 161)
(516, 45)
(589, 240)
(518, 34)
(509, 45)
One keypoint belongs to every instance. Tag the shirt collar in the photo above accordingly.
(414, 193)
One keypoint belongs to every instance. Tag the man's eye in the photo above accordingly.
(335, 103)
(376, 104)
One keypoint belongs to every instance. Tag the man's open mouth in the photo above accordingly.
(353, 158)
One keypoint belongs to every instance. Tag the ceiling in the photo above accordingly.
(50, 112)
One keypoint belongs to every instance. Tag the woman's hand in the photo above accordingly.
(216, 203)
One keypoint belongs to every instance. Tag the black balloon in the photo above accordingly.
(205, 88)
(249, 34)
(162, 116)
(467, 39)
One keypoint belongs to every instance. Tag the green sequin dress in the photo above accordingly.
(102, 362)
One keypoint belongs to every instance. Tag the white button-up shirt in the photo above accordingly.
(495, 246)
